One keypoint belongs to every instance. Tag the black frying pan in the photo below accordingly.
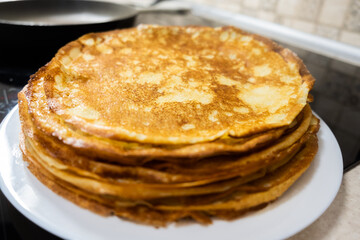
(32, 31)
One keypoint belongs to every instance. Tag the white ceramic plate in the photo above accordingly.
(301, 205)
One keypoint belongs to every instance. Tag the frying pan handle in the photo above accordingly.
(165, 6)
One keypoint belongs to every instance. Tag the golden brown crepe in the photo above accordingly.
(159, 123)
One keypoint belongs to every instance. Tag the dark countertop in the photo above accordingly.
(336, 94)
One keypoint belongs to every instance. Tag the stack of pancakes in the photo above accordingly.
(160, 123)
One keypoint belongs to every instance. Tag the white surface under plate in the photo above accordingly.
(301, 205)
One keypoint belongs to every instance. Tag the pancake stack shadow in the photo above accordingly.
(160, 124)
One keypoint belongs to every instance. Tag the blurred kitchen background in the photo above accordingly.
(335, 19)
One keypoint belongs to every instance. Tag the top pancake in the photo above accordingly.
(176, 85)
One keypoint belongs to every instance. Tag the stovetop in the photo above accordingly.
(336, 93)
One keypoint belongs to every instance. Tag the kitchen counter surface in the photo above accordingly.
(342, 219)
